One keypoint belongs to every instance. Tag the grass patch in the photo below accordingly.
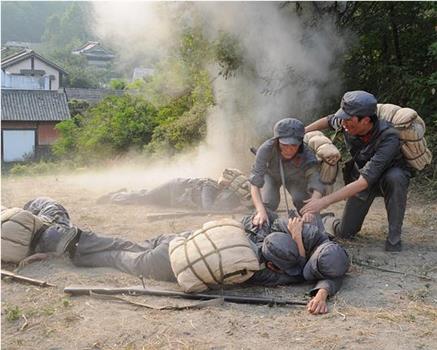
(13, 313)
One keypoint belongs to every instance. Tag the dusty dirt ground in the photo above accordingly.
(373, 310)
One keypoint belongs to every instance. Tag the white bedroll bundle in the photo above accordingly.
(239, 184)
(412, 130)
(327, 154)
(18, 229)
(219, 253)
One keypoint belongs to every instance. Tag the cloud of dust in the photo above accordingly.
(292, 74)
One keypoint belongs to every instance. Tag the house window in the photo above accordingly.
(18, 145)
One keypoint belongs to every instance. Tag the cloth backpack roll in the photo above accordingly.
(327, 154)
(411, 129)
(217, 254)
(20, 229)
(239, 184)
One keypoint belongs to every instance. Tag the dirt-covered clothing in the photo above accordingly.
(312, 238)
(48, 209)
(377, 158)
(150, 259)
(194, 193)
(301, 174)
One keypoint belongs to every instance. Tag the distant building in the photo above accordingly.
(95, 54)
(25, 69)
(92, 96)
(28, 120)
(142, 73)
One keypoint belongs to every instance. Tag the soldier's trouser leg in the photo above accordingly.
(149, 260)
(394, 188)
(166, 194)
(270, 193)
(93, 243)
(354, 213)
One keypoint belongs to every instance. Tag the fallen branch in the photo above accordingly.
(20, 278)
(169, 293)
(361, 263)
(199, 305)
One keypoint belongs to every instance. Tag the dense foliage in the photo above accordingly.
(394, 55)
(26, 20)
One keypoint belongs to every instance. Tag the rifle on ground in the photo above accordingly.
(14, 276)
(239, 299)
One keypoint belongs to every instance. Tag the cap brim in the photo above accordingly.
(341, 114)
(289, 141)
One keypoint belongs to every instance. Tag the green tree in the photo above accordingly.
(114, 126)
(63, 29)
(25, 20)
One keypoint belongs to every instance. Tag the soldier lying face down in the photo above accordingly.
(294, 253)
(232, 190)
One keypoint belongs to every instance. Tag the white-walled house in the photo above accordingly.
(32, 103)
(27, 70)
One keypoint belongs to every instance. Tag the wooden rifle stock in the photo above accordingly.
(169, 293)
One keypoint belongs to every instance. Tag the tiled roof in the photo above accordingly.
(34, 105)
(91, 95)
(93, 48)
(24, 54)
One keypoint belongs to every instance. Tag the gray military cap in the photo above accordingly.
(329, 260)
(356, 103)
(289, 131)
(282, 251)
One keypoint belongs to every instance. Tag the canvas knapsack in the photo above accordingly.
(20, 229)
(411, 131)
(239, 184)
(323, 148)
(219, 253)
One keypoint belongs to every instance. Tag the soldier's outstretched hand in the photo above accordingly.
(260, 218)
(318, 304)
(313, 205)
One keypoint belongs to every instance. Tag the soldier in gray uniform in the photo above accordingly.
(377, 168)
(278, 254)
(48, 209)
(188, 193)
(316, 257)
(300, 170)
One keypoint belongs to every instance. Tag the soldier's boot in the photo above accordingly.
(390, 247)
(106, 198)
(58, 239)
(67, 242)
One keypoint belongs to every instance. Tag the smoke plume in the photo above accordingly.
(292, 69)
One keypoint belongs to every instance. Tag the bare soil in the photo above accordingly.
(373, 310)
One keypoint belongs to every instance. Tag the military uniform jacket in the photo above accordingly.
(375, 153)
(302, 171)
(311, 237)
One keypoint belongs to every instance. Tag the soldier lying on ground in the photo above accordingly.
(304, 254)
(232, 190)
